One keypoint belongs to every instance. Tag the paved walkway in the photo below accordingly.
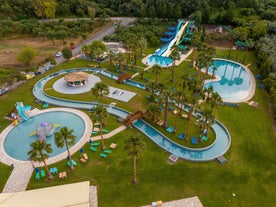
(187, 202)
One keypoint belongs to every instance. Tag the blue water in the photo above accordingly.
(235, 81)
(159, 60)
(135, 84)
(17, 142)
(220, 146)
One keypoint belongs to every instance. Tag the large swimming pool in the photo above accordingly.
(18, 140)
(159, 60)
(235, 82)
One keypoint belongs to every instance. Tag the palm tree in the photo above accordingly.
(86, 49)
(208, 92)
(174, 56)
(249, 44)
(193, 108)
(153, 111)
(167, 96)
(99, 114)
(120, 57)
(134, 147)
(152, 88)
(214, 71)
(208, 120)
(215, 100)
(65, 137)
(39, 152)
(156, 69)
(100, 89)
(111, 56)
(178, 98)
(142, 42)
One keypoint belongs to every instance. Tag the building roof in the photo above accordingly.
(76, 76)
(70, 195)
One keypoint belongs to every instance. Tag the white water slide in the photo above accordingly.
(176, 39)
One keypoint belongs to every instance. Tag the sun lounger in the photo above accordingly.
(105, 130)
(170, 129)
(62, 175)
(96, 129)
(93, 149)
(53, 170)
(184, 116)
(73, 162)
(181, 136)
(42, 173)
(107, 151)
(95, 144)
(194, 140)
(160, 122)
(113, 145)
(85, 156)
(83, 160)
(93, 132)
(37, 176)
(103, 155)
(204, 138)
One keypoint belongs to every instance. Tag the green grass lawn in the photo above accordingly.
(249, 172)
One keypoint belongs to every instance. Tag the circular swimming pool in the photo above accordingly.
(17, 141)
(235, 82)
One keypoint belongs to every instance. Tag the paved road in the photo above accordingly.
(108, 31)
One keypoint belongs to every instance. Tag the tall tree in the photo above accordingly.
(134, 147)
(66, 137)
(100, 90)
(99, 115)
(166, 96)
(153, 111)
(174, 56)
(39, 152)
(67, 53)
(156, 69)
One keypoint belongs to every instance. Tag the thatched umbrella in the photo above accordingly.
(76, 78)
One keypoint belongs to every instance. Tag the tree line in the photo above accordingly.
(233, 12)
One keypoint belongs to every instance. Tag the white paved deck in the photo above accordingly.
(187, 202)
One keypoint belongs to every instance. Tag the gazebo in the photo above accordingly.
(76, 79)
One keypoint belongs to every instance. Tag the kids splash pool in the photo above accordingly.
(16, 143)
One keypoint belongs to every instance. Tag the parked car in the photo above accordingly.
(59, 54)
(48, 67)
(3, 91)
(72, 47)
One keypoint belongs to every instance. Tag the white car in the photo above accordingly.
(59, 54)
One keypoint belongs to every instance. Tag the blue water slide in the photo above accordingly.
(171, 28)
(166, 39)
(169, 33)
(20, 109)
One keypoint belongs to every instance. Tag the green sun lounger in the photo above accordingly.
(95, 144)
(73, 162)
(107, 151)
(37, 176)
(93, 149)
(103, 155)
(42, 173)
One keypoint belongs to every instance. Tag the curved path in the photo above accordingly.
(218, 148)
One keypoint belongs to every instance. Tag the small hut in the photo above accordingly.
(76, 79)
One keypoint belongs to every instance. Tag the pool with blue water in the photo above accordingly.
(18, 140)
(235, 82)
(159, 60)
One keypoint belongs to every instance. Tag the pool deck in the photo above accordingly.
(186, 202)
